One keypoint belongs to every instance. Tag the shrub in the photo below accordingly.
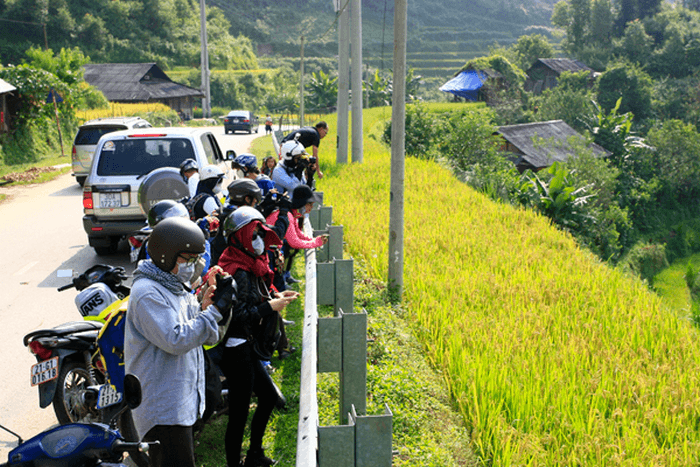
(646, 260)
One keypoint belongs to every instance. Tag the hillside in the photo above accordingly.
(442, 36)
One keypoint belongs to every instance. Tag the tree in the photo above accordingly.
(636, 43)
(322, 92)
(629, 83)
(602, 23)
(529, 48)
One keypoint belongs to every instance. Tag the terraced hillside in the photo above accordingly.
(442, 35)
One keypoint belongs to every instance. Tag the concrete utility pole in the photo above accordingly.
(301, 86)
(356, 80)
(206, 102)
(343, 82)
(398, 135)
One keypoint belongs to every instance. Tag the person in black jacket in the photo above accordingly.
(253, 333)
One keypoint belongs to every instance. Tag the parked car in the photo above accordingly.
(123, 160)
(90, 133)
(243, 120)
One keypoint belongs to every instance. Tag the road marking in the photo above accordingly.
(26, 268)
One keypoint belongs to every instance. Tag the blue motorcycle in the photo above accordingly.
(81, 444)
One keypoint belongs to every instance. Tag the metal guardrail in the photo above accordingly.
(336, 344)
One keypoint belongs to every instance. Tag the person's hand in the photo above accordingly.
(214, 271)
(320, 174)
(324, 238)
(278, 304)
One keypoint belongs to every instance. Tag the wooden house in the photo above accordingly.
(474, 85)
(545, 72)
(141, 82)
(5, 90)
(538, 145)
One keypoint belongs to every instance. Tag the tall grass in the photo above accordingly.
(552, 357)
(117, 109)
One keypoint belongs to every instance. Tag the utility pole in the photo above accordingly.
(343, 82)
(206, 102)
(301, 86)
(356, 80)
(398, 153)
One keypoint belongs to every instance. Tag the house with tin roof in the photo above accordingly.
(545, 72)
(139, 83)
(538, 145)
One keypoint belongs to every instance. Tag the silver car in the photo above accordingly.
(123, 159)
(90, 133)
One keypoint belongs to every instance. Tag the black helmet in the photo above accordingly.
(188, 164)
(166, 208)
(240, 218)
(239, 189)
(172, 237)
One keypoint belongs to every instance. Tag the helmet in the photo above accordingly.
(239, 189)
(240, 218)
(172, 237)
(166, 208)
(188, 164)
(292, 148)
(210, 171)
(246, 162)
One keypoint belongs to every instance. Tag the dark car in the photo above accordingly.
(243, 120)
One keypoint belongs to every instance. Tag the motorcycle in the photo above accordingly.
(67, 355)
(82, 444)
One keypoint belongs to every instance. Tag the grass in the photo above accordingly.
(670, 284)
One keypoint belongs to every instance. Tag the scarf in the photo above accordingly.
(148, 270)
(236, 257)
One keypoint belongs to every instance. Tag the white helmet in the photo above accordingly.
(292, 148)
(210, 171)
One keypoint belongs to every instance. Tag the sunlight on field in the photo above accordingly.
(552, 357)
(121, 110)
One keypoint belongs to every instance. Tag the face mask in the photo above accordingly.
(185, 272)
(258, 245)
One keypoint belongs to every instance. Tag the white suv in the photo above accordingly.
(89, 133)
(122, 161)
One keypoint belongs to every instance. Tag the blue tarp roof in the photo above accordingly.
(466, 84)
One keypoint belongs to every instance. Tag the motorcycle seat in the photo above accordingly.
(72, 327)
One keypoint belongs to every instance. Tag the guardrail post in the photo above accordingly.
(353, 376)
(373, 439)
(344, 285)
(336, 446)
(321, 218)
(330, 339)
(334, 248)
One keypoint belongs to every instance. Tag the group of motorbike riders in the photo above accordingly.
(215, 273)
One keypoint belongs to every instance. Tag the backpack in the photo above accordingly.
(190, 204)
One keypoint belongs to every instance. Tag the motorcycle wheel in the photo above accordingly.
(68, 402)
(129, 433)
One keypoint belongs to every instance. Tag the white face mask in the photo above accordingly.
(259, 246)
(185, 272)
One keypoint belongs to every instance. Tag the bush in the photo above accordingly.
(646, 260)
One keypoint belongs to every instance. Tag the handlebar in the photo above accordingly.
(62, 288)
(132, 446)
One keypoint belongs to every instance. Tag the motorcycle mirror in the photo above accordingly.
(132, 391)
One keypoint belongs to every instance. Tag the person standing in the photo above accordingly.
(164, 333)
(310, 136)
(252, 335)
(268, 124)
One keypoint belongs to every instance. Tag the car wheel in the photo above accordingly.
(108, 250)
(80, 180)
(250, 130)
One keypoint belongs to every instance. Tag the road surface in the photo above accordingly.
(41, 232)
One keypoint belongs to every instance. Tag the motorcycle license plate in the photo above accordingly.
(107, 396)
(134, 254)
(44, 371)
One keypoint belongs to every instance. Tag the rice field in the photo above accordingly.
(552, 357)
(122, 110)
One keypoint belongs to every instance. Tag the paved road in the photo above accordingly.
(41, 233)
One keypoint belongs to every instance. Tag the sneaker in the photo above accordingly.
(287, 323)
(282, 354)
(257, 459)
(289, 279)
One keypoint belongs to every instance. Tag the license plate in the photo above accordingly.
(134, 254)
(44, 371)
(107, 396)
(110, 200)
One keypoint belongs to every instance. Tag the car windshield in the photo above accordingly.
(136, 156)
(91, 135)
